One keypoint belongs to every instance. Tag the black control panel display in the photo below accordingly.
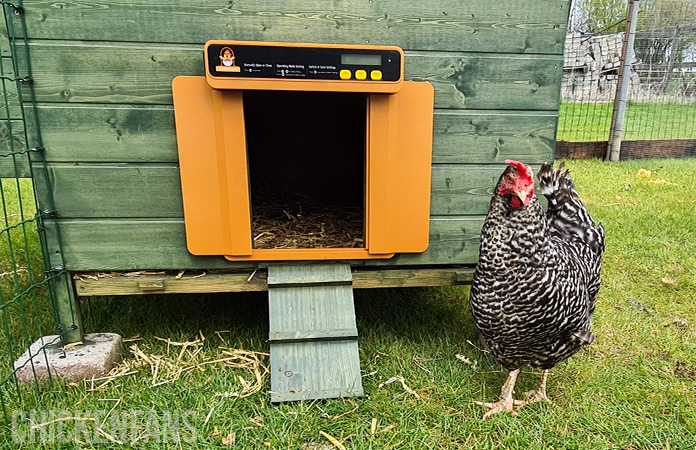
(309, 63)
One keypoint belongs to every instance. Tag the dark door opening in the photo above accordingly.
(306, 161)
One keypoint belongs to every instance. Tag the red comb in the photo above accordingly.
(520, 166)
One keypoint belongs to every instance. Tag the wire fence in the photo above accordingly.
(662, 88)
(28, 282)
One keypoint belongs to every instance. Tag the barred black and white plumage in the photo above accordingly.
(538, 274)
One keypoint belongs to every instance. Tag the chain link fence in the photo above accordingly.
(661, 112)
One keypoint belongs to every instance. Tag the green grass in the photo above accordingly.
(591, 121)
(634, 388)
(25, 313)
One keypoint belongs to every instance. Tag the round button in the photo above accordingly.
(360, 75)
(376, 75)
(345, 74)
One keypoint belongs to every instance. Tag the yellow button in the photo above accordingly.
(376, 75)
(344, 74)
(360, 75)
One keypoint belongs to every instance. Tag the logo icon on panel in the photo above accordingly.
(227, 61)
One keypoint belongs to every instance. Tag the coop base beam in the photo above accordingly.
(138, 283)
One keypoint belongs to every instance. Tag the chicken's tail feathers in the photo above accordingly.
(584, 336)
(558, 187)
(599, 237)
(549, 178)
(567, 215)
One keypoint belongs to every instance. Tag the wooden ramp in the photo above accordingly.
(313, 335)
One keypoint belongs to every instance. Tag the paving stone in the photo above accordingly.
(96, 356)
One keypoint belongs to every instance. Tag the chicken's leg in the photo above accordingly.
(539, 395)
(506, 402)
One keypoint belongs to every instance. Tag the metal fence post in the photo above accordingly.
(621, 99)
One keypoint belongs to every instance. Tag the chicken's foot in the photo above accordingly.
(506, 402)
(538, 395)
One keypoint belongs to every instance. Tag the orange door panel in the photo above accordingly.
(212, 160)
(214, 174)
(399, 169)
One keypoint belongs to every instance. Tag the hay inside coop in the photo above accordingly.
(306, 160)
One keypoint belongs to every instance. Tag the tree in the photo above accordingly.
(660, 14)
(666, 35)
(601, 16)
(608, 16)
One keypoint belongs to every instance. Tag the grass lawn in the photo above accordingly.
(591, 121)
(633, 389)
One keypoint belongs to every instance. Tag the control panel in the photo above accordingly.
(239, 64)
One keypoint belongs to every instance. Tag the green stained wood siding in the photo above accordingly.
(9, 97)
(453, 240)
(14, 166)
(123, 244)
(484, 137)
(108, 133)
(12, 140)
(130, 244)
(132, 133)
(154, 190)
(489, 81)
(103, 73)
(511, 26)
(142, 74)
(115, 190)
(462, 189)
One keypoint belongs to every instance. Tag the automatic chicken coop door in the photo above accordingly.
(304, 152)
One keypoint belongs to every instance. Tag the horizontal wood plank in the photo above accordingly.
(453, 240)
(512, 26)
(482, 137)
(13, 163)
(106, 245)
(489, 81)
(445, 276)
(463, 189)
(108, 133)
(114, 191)
(9, 97)
(154, 190)
(132, 133)
(108, 73)
(14, 166)
(189, 283)
(131, 283)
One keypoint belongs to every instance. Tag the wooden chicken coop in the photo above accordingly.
(142, 180)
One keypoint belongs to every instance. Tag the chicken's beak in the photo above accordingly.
(522, 195)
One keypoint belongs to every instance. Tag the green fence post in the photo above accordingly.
(67, 307)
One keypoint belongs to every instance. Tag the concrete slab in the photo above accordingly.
(95, 356)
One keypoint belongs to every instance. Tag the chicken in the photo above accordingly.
(536, 282)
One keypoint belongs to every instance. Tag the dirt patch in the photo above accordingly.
(684, 370)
